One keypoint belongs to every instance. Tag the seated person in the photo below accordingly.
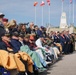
(5, 42)
(15, 42)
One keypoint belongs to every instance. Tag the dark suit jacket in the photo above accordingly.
(2, 30)
(3, 46)
(16, 45)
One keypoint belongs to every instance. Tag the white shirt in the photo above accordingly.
(39, 43)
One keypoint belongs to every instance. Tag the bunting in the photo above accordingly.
(42, 3)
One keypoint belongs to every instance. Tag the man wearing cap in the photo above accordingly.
(5, 23)
(2, 30)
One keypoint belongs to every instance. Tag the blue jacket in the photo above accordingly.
(3, 46)
(62, 40)
(16, 45)
(39, 33)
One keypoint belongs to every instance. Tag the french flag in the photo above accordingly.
(62, 0)
(48, 0)
(35, 3)
(42, 3)
(70, 1)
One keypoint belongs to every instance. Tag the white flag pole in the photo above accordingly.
(69, 14)
(49, 14)
(35, 14)
(73, 11)
(62, 6)
(42, 15)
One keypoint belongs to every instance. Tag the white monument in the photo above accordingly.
(63, 21)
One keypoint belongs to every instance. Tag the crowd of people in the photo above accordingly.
(32, 46)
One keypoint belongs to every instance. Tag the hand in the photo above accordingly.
(9, 49)
(46, 49)
(36, 48)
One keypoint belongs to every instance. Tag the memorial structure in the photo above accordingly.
(63, 21)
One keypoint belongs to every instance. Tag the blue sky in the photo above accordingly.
(23, 11)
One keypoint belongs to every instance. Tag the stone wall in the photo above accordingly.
(71, 29)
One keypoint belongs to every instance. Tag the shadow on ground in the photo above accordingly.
(50, 67)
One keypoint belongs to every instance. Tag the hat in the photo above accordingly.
(2, 15)
(42, 27)
(5, 20)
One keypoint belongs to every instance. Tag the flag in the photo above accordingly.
(43, 3)
(35, 3)
(70, 1)
(62, 0)
(48, 1)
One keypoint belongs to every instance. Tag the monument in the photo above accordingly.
(63, 21)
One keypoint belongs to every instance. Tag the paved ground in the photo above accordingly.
(66, 66)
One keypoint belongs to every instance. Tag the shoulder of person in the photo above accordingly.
(1, 25)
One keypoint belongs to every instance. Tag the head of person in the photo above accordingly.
(31, 39)
(21, 37)
(36, 27)
(42, 28)
(6, 37)
(1, 16)
(5, 21)
(22, 27)
(67, 32)
(15, 35)
(62, 33)
(57, 33)
(12, 24)
(32, 25)
(26, 37)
